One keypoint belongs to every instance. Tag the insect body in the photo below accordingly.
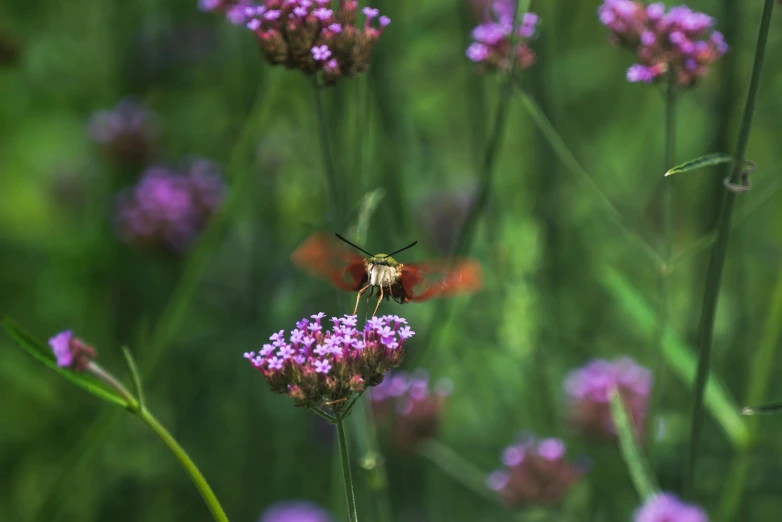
(324, 256)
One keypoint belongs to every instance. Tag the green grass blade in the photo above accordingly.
(41, 352)
(678, 356)
(709, 160)
(640, 473)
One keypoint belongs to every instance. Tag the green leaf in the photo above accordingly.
(42, 353)
(709, 160)
(640, 473)
(679, 357)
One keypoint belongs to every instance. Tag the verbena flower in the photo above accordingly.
(406, 403)
(679, 40)
(295, 511)
(494, 46)
(588, 390)
(319, 365)
(128, 133)
(535, 472)
(665, 507)
(312, 36)
(168, 208)
(71, 352)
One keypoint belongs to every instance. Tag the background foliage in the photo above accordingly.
(563, 284)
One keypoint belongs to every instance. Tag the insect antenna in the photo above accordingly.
(411, 245)
(356, 246)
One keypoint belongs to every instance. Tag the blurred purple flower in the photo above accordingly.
(316, 365)
(71, 352)
(588, 390)
(169, 209)
(304, 34)
(535, 472)
(127, 133)
(406, 403)
(665, 507)
(493, 38)
(295, 511)
(441, 215)
(681, 40)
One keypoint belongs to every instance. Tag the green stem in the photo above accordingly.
(465, 236)
(582, 176)
(325, 152)
(667, 244)
(717, 262)
(458, 468)
(643, 480)
(190, 468)
(343, 453)
(762, 366)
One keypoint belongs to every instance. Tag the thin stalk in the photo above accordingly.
(455, 466)
(347, 477)
(718, 254)
(667, 244)
(486, 177)
(759, 377)
(325, 152)
(198, 479)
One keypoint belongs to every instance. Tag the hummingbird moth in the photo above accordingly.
(332, 258)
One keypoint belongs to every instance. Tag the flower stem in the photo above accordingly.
(760, 375)
(718, 254)
(459, 469)
(667, 244)
(343, 453)
(325, 152)
(198, 479)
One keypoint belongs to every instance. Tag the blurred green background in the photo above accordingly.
(563, 284)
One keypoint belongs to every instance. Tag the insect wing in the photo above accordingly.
(441, 278)
(324, 256)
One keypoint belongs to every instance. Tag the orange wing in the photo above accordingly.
(441, 278)
(326, 257)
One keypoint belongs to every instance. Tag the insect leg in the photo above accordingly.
(359, 297)
(380, 298)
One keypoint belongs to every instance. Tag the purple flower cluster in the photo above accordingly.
(295, 511)
(406, 403)
(680, 40)
(71, 352)
(168, 208)
(309, 35)
(493, 39)
(665, 507)
(589, 388)
(316, 366)
(535, 473)
(127, 133)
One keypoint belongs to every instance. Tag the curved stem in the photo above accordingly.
(190, 468)
(459, 469)
(717, 262)
(325, 152)
(346, 475)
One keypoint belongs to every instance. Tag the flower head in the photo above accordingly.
(665, 507)
(495, 46)
(318, 365)
(295, 511)
(680, 40)
(535, 472)
(589, 390)
(127, 133)
(309, 35)
(168, 208)
(71, 352)
(406, 403)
